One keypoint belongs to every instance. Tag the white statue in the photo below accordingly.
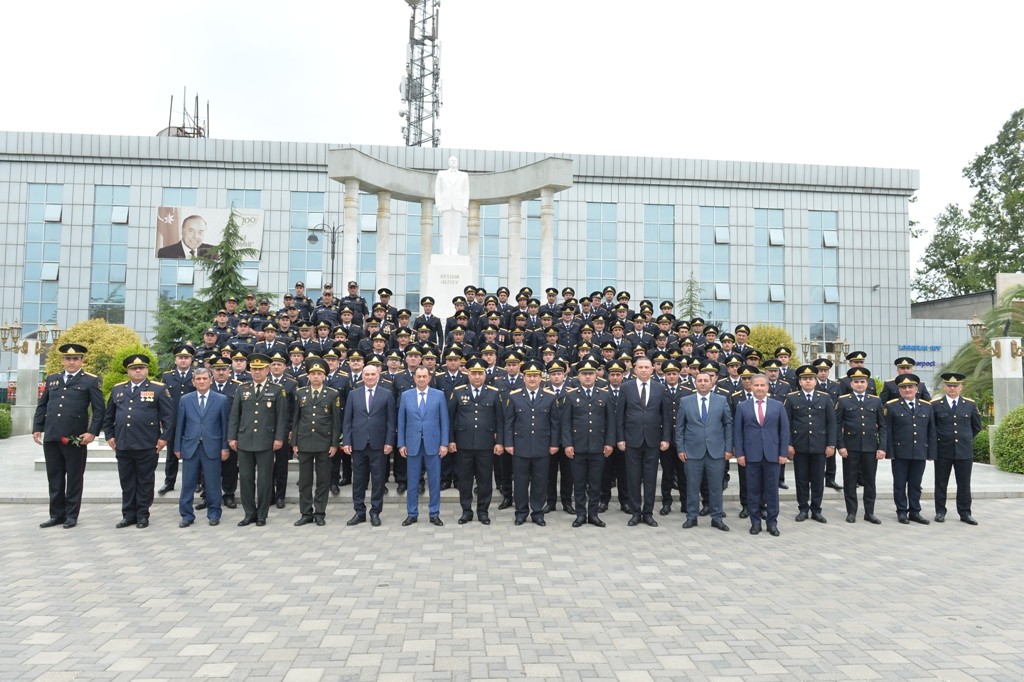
(451, 195)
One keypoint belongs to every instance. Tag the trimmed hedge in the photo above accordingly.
(981, 447)
(5, 423)
(1008, 444)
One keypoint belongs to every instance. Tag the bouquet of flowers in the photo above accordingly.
(71, 440)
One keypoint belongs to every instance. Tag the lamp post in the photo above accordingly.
(12, 333)
(1007, 374)
(27, 352)
(840, 349)
(332, 231)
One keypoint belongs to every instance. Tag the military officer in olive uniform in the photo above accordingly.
(316, 433)
(138, 422)
(476, 411)
(589, 434)
(957, 422)
(257, 427)
(861, 440)
(910, 423)
(812, 440)
(531, 428)
(61, 414)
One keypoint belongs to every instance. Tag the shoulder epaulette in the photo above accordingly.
(121, 383)
(156, 383)
(518, 390)
(170, 371)
(967, 400)
(342, 373)
(571, 389)
(792, 393)
(491, 388)
(736, 393)
(461, 387)
(90, 374)
(548, 391)
(236, 381)
(894, 400)
(935, 400)
(846, 395)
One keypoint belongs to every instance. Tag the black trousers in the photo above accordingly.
(448, 470)
(170, 464)
(530, 487)
(859, 466)
(281, 458)
(368, 470)
(673, 474)
(400, 467)
(587, 472)
(906, 484)
(137, 471)
(641, 477)
(809, 470)
(229, 474)
(614, 477)
(255, 477)
(560, 464)
(962, 470)
(65, 472)
(503, 474)
(314, 467)
(470, 466)
(341, 468)
(830, 468)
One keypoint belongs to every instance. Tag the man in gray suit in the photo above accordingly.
(704, 438)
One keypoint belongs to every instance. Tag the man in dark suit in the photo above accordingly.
(316, 432)
(703, 438)
(62, 416)
(957, 422)
(531, 427)
(910, 424)
(761, 439)
(588, 436)
(812, 440)
(201, 443)
(258, 427)
(193, 229)
(476, 411)
(422, 440)
(643, 433)
(138, 423)
(861, 440)
(368, 436)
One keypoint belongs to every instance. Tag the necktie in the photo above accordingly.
(131, 393)
(808, 396)
(748, 396)
(860, 399)
(615, 393)
(704, 410)
(532, 394)
(423, 402)
(760, 412)
(588, 394)
(369, 400)
(220, 388)
(643, 395)
(182, 375)
(953, 407)
(316, 396)
(911, 406)
(202, 403)
(259, 390)
(191, 253)
(476, 393)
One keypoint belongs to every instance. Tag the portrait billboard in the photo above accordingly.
(187, 231)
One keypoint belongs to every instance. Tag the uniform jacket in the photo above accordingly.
(759, 442)
(63, 409)
(476, 424)
(531, 429)
(861, 426)
(955, 430)
(139, 422)
(256, 424)
(203, 433)
(911, 435)
(588, 424)
(697, 437)
(812, 427)
(316, 424)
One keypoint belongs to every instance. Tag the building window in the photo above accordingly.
(602, 246)
(715, 272)
(305, 260)
(42, 256)
(823, 274)
(769, 265)
(659, 252)
(109, 253)
(245, 198)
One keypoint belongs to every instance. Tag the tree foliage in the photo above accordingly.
(185, 320)
(104, 341)
(1008, 444)
(117, 372)
(969, 249)
(690, 306)
(767, 337)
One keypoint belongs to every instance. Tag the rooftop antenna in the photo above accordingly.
(421, 86)
(191, 124)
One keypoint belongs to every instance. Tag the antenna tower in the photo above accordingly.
(421, 86)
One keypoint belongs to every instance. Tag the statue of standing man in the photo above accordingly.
(451, 195)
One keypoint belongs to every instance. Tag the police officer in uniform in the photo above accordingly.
(812, 440)
(531, 429)
(588, 436)
(178, 382)
(62, 414)
(957, 422)
(890, 389)
(476, 411)
(910, 424)
(861, 440)
(316, 433)
(138, 423)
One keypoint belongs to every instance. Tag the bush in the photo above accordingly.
(5, 424)
(981, 451)
(117, 373)
(1008, 445)
(101, 338)
(767, 337)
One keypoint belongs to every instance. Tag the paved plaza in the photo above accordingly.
(821, 602)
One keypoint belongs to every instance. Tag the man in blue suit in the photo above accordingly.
(368, 436)
(201, 443)
(423, 441)
(704, 440)
(761, 439)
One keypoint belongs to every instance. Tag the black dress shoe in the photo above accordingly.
(902, 518)
(917, 518)
(634, 520)
(304, 520)
(539, 520)
(744, 513)
(124, 523)
(335, 489)
(871, 518)
(704, 510)
(689, 523)
(409, 520)
(50, 523)
(246, 522)
(568, 508)
(505, 503)
(596, 521)
(465, 518)
(356, 520)
(649, 520)
(624, 508)
(280, 503)
(832, 484)
(764, 514)
(484, 519)
(851, 518)
(345, 481)
(201, 506)
(773, 531)
(665, 510)
(422, 487)
(940, 517)
(802, 516)
(385, 490)
(783, 486)
(602, 507)
(548, 508)
(817, 516)
(319, 520)
(969, 520)
(375, 520)
(260, 523)
(520, 522)
(754, 530)
(165, 488)
(402, 488)
(144, 523)
(214, 522)
(230, 503)
(446, 485)
(578, 521)
(436, 520)
(720, 525)
(184, 524)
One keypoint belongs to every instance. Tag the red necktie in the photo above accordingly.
(760, 412)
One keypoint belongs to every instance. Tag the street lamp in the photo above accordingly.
(12, 333)
(332, 231)
(977, 330)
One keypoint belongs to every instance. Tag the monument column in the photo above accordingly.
(515, 243)
(547, 237)
(426, 241)
(384, 239)
(350, 233)
(473, 238)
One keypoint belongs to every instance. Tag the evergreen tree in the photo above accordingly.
(690, 306)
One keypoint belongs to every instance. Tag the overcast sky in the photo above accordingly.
(922, 85)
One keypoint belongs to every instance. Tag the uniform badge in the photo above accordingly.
(147, 396)
(270, 404)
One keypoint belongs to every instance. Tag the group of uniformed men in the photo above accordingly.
(560, 401)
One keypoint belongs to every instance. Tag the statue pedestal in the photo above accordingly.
(446, 278)
(23, 412)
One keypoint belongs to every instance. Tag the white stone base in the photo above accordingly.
(447, 276)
